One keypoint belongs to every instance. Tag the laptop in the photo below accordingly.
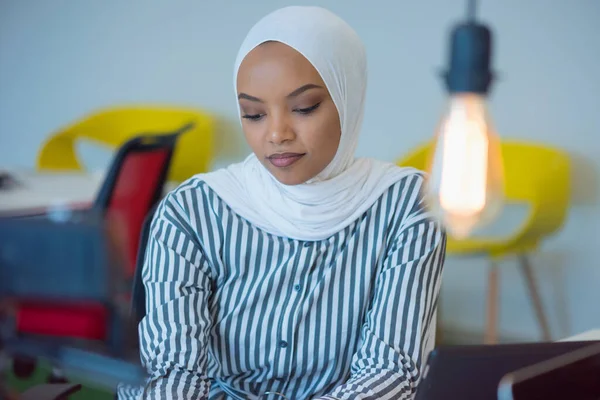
(475, 371)
(574, 375)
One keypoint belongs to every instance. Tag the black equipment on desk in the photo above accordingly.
(475, 371)
(69, 262)
(8, 181)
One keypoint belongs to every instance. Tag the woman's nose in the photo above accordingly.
(280, 130)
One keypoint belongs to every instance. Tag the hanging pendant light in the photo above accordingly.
(465, 185)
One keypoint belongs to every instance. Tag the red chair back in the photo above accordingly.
(134, 185)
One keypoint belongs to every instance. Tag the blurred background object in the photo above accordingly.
(464, 188)
(75, 270)
(62, 62)
(536, 179)
(132, 187)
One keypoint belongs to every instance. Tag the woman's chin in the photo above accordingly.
(291, 175)
(288, 179)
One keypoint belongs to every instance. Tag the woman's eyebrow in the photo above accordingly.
(294, 93)
(303, 89)
(248, 97)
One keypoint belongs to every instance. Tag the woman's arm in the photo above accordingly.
(174, 333)
(399, 322)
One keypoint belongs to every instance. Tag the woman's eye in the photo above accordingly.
(253, 117)
(307, 110)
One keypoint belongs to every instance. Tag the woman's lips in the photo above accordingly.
(284, 159)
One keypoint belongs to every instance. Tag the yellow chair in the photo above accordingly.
(113, 127)
(536, 175)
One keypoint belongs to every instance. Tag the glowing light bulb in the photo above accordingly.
(465, 188)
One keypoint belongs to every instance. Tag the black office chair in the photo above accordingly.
(109, 199)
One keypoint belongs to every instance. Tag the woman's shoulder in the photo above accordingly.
(194, 184)
(410, 185)
(406, 195)
(190, 197)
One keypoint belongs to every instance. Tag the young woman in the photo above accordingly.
(302, 272)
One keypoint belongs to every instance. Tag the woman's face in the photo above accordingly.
(288, 116)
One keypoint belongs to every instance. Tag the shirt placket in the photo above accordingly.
(288, 322)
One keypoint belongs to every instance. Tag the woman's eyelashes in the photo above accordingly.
(307, 110)
(253, 117)
(302, 111)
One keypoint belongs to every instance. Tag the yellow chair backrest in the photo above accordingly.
(113, 127)
(534, 173)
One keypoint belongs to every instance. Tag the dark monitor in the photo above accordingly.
(475, 371)
(575, 375)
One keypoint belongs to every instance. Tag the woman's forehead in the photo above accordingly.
(275, 62)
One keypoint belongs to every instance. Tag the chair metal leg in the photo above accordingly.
(534, 296)
(491, 333)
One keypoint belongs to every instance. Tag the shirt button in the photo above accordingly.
(306, 244)
(283, 344)
(297, 288)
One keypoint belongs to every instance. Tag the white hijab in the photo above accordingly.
(348, 186)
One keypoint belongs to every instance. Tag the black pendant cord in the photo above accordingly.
(469, 67)
(471, 10)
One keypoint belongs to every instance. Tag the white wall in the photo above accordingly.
(62, 59)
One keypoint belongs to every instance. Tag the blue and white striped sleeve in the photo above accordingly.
(175, 331)
(399, 324)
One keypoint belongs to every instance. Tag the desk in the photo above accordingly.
(593, 334)
(40, 191)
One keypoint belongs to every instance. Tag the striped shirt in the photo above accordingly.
(234, 312)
